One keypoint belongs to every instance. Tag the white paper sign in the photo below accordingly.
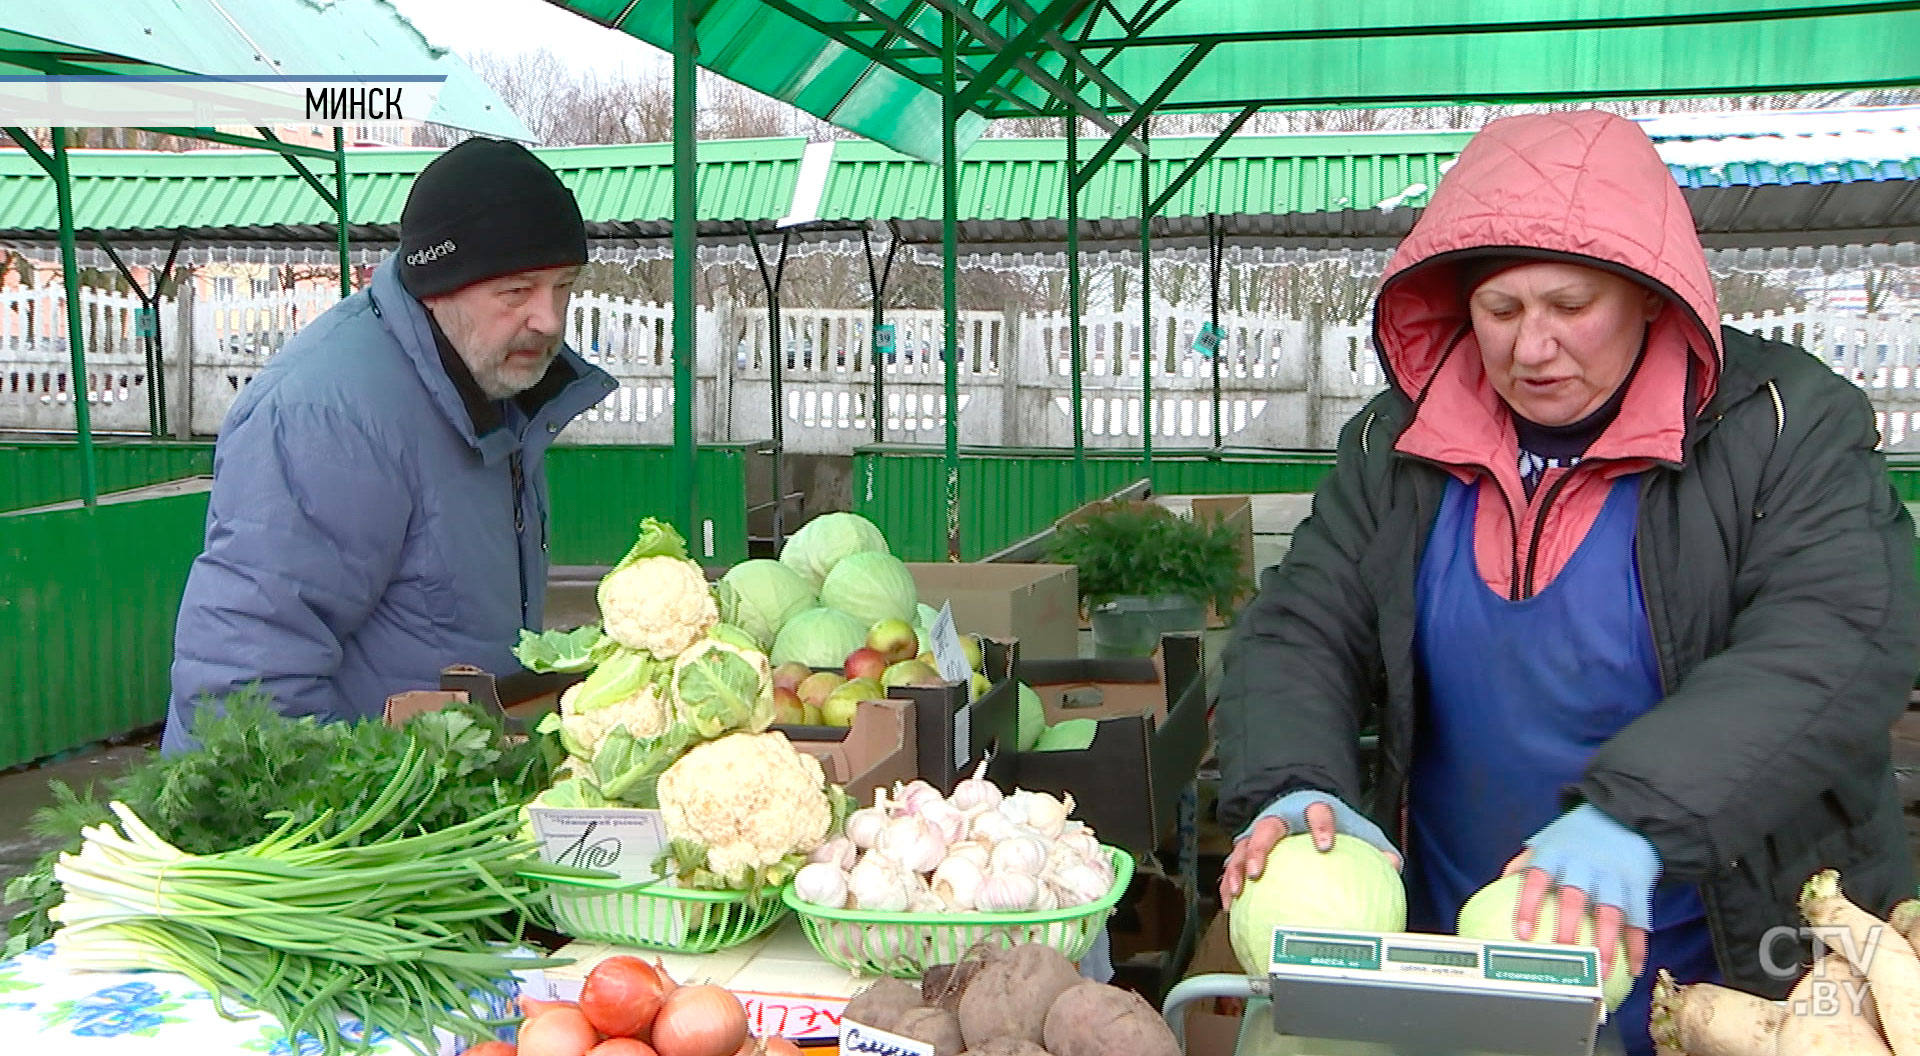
(622, 841)
(950, 658)
(860, 1038)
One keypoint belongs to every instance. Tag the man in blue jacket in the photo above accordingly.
(379, 505)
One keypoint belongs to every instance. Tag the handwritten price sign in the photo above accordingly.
(624, 842)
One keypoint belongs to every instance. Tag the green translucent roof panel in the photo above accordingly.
(624, 191)
(247, 38)
(873, 67)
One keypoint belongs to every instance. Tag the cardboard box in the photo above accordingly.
(1151, 736)
(879, 749)
(1037, 605)
(522, 697)
(954, 736)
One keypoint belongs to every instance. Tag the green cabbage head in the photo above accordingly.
(760, 596)
(821, 543)
(819, 638)
(871, 587)
(1352, 887)
(720, 687)
(1489, 915)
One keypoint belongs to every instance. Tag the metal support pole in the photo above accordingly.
(1215, 250)
(949, 237)
(686, 217)
(877, 285)
(150, 344)
(1146, 313)
(340, 204)
(1077, 355)
(776, 372)
(70, 276)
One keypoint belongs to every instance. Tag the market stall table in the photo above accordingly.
(49, 1010)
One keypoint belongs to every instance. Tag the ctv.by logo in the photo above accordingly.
(431, 253)
(1819, 994)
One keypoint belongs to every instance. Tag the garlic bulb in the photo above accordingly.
(913, 797)
(1079, 884)
(974, 851)
(878, 883)
(1041, 812)
(1081, 839)
(975, 794)
(1007, 893)
(1018, 854)
(991, 827)
(913, 842)
(838, 851)
(945, 819)
(821, 883)
(926, 902)
(864, 826)
(1046, 898)
(957, 881)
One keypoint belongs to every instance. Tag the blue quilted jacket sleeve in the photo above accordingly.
(305, 526)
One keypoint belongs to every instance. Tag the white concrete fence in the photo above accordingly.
(1283, 382)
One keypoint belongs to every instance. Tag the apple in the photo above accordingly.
(790, 675)
(910, 673)
(813, 717)
(787, 708)
(970, 647)
(926, 658)
(893, 639)
(840, 705)
(978, 687)
(866, 663)
(815, 688)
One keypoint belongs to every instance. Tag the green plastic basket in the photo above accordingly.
(659, 916)
(904, 945)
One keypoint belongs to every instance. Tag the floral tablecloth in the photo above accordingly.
(50, 1011)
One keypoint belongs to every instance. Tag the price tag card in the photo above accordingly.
(622, 841)
(951, 661)
(793, 1016)
(860, 1038)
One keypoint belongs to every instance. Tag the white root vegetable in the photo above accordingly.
(1702, 1019)
(1891, 968)
(1828, 1014)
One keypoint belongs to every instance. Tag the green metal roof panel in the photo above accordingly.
(1025, 179)
(623, 190)
(236, 38)
(872, 66)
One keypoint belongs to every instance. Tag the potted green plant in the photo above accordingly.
(1145, 571)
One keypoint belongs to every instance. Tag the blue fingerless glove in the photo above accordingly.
(1292, 809)
(1613, 864)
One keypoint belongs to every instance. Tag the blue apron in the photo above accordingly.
(1519, 696)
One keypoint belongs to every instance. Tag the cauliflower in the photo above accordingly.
(645, 715)
(741, 812)
(658, 604)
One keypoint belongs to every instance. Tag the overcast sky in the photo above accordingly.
(506, 27)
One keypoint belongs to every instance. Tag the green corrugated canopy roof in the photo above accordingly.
(874, 66)
(1344, 190)
(246, 197)
(235, 38)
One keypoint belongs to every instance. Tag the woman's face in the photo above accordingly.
(1558, 339)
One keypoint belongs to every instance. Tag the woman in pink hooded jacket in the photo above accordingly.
(1628, 595)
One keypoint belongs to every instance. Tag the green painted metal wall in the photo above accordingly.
(87, 606)
(43, 472)
(1009, 494)
(601, 492)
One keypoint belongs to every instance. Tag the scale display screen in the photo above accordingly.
(1437, 958)
(1538, 968)
(1332, 953)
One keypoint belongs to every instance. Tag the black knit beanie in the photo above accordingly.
(484, 208)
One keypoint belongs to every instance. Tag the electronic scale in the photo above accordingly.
(1357, 993)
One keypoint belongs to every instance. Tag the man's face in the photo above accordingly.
(508, 329)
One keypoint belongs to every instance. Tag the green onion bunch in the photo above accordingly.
(377, 919)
